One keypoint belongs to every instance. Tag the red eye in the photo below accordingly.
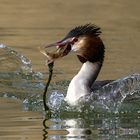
(74, 39)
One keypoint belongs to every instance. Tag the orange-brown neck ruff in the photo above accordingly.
(92, 50)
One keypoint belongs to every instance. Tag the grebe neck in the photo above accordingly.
(81, 84)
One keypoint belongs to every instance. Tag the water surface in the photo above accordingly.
(25, 25)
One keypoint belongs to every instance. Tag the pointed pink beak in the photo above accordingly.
(64, 45)
(63, 48)
(61, 43)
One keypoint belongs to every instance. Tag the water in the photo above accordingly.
(99, 116)
(26, 25)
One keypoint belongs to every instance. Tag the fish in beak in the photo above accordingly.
(63, 47)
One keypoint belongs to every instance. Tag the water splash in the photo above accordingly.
(109, 98)
(113, 95)
(19, 81)
(11, 60)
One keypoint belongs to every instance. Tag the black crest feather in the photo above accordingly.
(87, 29)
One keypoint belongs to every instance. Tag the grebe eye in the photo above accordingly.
(75, 39)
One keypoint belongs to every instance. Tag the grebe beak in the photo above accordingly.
(63, 48)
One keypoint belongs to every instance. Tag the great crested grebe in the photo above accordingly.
(86, 43)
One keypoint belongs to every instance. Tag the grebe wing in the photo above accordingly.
(98, 84)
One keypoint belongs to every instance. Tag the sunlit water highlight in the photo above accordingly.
(19, 81)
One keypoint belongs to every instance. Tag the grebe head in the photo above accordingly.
(84, 41)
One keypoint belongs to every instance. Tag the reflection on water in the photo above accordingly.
(99, 127)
